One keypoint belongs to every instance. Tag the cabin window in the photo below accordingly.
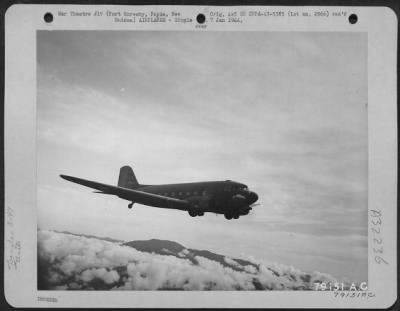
(195, 193)
(180, 193)
(188, 193)
(173, 194)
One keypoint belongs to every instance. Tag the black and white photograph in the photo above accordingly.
(200, 157)
(181, 160)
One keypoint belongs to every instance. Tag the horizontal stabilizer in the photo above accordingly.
(101, 192)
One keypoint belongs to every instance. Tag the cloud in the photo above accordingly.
(250, 269)
(76, 262)
(230, 261)
(108, 277)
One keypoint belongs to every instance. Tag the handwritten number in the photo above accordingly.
(378, 241)
(379, 250)
(379, 260)
(376, 230)
(375, 213)
(379, 222)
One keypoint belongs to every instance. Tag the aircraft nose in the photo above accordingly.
(253, 197)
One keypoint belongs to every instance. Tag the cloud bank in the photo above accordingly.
(73, 262)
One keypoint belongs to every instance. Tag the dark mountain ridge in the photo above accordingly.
(166, 247)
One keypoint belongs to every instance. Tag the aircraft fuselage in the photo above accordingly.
(227, 197)
(218, 193)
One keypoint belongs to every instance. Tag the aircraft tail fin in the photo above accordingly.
(127, 178)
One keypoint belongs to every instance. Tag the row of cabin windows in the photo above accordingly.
(195, 193)
(235, 187)
(187, 193)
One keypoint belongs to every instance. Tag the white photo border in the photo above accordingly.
(20, 262)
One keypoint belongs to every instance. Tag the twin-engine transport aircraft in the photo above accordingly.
(230, 198)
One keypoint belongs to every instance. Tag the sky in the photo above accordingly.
(283, 112)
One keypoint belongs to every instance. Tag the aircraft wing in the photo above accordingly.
(136, 196)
